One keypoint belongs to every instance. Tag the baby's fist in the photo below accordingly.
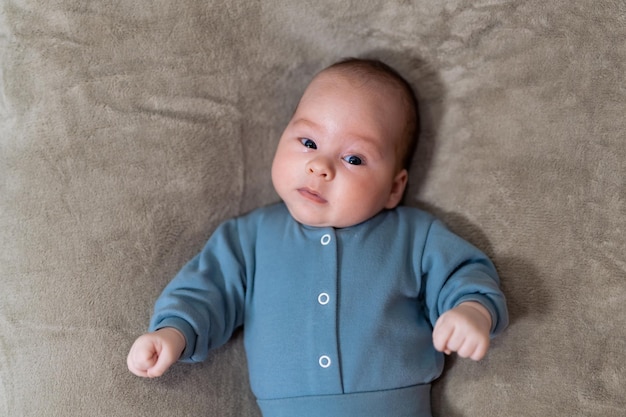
(153, 353)
(465, 330)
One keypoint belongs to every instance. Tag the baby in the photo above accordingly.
(348, 301)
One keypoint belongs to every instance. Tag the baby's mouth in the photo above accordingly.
(311, 195)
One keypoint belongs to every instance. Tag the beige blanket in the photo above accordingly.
(130, 129)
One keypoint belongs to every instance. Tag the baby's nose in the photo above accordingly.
(321, 167)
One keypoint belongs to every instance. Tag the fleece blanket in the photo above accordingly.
(130, 129)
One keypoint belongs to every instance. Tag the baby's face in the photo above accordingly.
(336, 162)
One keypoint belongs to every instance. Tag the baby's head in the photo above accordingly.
(343, 157)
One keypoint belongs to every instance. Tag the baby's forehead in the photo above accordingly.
(382, 89)
(378, 101)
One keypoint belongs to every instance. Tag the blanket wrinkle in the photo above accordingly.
(191, 109)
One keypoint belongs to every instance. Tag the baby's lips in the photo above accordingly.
(311, 195)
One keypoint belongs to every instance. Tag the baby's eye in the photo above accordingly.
(353, 160)
(308, 143)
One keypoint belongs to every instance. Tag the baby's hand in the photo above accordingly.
(153, 353)
(465, 330)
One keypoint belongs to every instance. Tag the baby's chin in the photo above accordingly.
(313, 220)
(309, 219)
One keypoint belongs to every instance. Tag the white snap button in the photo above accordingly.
(323, 298)
(324, 361)
(325, 239)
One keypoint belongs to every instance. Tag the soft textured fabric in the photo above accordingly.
(329, 311)
(130, 129)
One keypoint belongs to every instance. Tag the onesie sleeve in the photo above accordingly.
(205, 300)
(454, 271)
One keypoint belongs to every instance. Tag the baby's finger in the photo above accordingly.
(441, 335)
(480, 351)
(165, 359)
(137, 367)
(145, 359)
(455, 342)
(473, 348)
(141, 357)
(467, 349)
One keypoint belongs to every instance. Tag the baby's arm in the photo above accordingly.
(153, 353)
(465, 330)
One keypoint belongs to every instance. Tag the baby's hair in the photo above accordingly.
(373, 68)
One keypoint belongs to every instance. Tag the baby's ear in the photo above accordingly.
(397, 189)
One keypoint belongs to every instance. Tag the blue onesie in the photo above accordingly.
(337, 322)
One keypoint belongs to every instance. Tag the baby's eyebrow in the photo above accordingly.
(308, 123)
(368, 144)
(371, 147)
